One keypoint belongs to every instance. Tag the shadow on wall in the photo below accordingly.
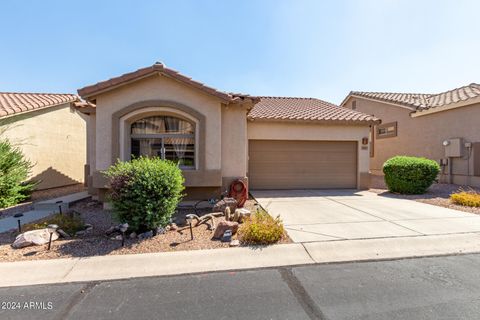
(51, 178)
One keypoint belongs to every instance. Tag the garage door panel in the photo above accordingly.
(302, 164)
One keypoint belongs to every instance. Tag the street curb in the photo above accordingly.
(117, 267)
(150, 264)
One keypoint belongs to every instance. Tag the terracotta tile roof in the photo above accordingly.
(305, 109)
(157, 68)
(464, 93)
(15, 102)
(423, 101)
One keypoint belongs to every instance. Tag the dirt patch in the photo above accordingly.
(40, 196)
(97, 243)
(438, 194)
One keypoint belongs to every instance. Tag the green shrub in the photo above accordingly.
(261, 228)
(410, 175)
(469, 198)
(68, 223)
(145, 191)
(14, 171)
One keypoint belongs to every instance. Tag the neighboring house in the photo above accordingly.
(50, 132)
(271, 142)
(443, 127)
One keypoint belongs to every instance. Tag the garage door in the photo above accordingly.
(282, 164)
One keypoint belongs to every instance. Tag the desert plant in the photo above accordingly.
(145, 191)
(68, 223)
(14, 171)
(410, 175)
(469, 198)
(261, 228)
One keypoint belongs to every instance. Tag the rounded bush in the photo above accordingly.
(410, 175)
(145, 191)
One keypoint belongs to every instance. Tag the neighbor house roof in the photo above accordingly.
(423, 101)
(14, 102)
(305, 109)
(157, 68)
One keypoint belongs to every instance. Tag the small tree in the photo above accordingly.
(145, 191)
(14, 171)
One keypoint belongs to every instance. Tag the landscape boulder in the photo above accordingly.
(224, 226)
(221, 205)
(34, 237)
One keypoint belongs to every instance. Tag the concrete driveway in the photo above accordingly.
(326, 215)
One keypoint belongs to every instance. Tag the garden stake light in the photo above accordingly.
(51, 229)
(60, 206)
(19, 215)
(189, 221)
(123, 229)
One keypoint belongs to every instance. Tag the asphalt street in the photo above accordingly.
(423, 288)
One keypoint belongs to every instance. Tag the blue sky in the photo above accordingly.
(319, 49)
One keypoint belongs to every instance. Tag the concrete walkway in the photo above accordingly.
(42, 209)
(186, 262)
(327, 215)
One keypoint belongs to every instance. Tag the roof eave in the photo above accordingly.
(420, 113)
(89, 93)
(323, 121)
(396, 104)
(11, 115)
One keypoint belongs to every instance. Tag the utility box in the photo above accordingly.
(454, 148)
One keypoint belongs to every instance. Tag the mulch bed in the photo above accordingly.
(438, 194)
(97, 243)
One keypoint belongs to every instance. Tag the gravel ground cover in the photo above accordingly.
(96, 243)
(438, 194)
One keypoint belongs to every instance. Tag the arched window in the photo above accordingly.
(166, 137)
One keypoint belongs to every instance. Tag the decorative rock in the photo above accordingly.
(80, 233)
(224, 226)
(117, 237)
(168, 228)
(110, 230)
(87, 225)
(63, 234)
(133, 235)
(240, 214)
(145, 235)
(234, 243)
(173, 226)
(34, 237)
(221, 205)
(123, 227)
(245, 212)
(160, 230)
(227, 236)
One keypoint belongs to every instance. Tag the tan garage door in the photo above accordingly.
(302, 164)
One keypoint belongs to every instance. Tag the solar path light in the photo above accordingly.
(18, 216)
(51, 229)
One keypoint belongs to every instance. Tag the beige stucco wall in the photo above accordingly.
(423, 136)
(54, 139)
(156, 88)
(234, 143)
(223, 128)
(310, 131)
